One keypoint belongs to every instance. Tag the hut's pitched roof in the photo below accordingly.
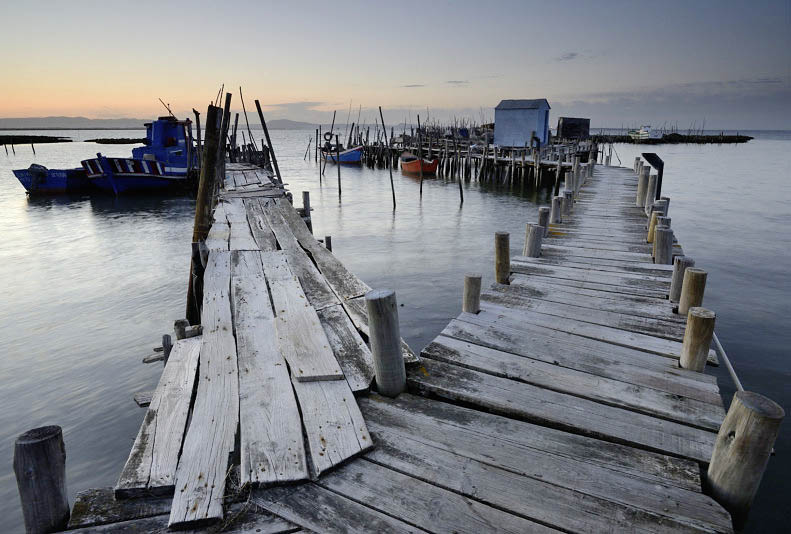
(535, 103)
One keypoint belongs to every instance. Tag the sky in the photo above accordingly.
(634, 62)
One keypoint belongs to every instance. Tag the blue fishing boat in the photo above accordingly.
(39, 180)
(351, 155)
(164, 163)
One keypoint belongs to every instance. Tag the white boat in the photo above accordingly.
(644, 133)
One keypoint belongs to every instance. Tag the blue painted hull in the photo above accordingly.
(137, 184)
(353, 155)
(131, 175)
(53, 181)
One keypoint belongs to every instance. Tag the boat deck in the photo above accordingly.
(559, 407)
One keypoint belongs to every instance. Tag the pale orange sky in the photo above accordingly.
(618, 62)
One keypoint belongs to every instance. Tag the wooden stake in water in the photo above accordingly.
(390, 167)
(338, 162)
(268, 139)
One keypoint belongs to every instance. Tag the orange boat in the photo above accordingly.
(411, 163)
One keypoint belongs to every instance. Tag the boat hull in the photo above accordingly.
(413, 166)
(352, 155)
(53, 181)
(129, 175)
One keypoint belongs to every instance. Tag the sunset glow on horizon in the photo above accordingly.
(614, 62)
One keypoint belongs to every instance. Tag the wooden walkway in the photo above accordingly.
(559, 407)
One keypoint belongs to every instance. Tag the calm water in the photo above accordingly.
(90, 285)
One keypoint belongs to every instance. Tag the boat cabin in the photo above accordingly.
(168, 141)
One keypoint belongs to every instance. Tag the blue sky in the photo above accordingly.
(617, 62)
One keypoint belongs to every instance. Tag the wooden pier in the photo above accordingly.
(554, 403)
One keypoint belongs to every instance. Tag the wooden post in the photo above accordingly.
(663, 245)
(208, 173)
(167, 346)
(471, 300)
(636, 163)
(692, 289)
(697, 339)
(268, 140)
(328, 242)
(385, 338)
(741, 452)
(502, 258)
(650, 193)
(533, 236)
(642, 185)
(556, 215)
(180, 327)
(680, 264)
(568, 202)
(568, 184)
(651, 227)
(543, 219)
(389, 167)
(316, 148)
(40, 469)
(338, 162)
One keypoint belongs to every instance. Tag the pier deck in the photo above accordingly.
(558, 407)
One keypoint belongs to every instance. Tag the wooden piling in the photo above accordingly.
(471, 300)
(533, 236)
(697, 339)
(180, 328)
(741, 452)
(650, 193)
(692, 289)
(663, 245)
(502, 258)
(338, 162)
(385, 339)
(328, 242)
(680, 264)
(642, 186)
(568, 202)
(268, 139)
(543, 218)
(40, 469)
(556, 214)
(651, 227)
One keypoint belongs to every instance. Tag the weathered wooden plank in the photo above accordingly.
(343, 282)
(611, 266)
(615, 289)
(272, 449)
(218, 237)
(143, 398)
(301, 337)
(151, 466)
(262, 234)
(572, 251)
(560, 410)
(590, 298)
(612, 392)
(569, 460)
(532, 497)
(241, 237)
(314, 284)
(334, 427)
(201, 473)
(418, 503)
(100, 507)
(658, 283)
(652, 326)
(616, 336)
(355, 308)
(350, 350)
(243, 519)
(321, 510)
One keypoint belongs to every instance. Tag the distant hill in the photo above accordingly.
(84, 123)
(70, 123)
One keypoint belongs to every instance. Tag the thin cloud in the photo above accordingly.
(458, 82)
(411, 85)
(568, 56)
